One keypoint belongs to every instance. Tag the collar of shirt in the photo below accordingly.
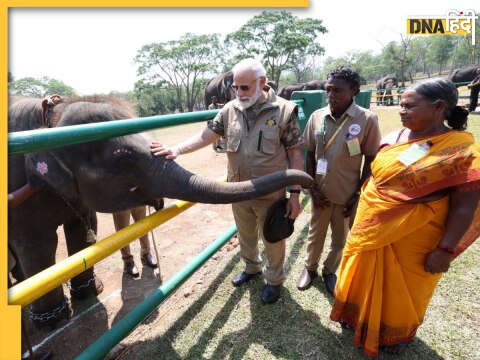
(351, 111)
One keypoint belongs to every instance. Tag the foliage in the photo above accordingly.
(39, 88)
(154, 99)
(180, 64)
(399, 56)
(280, 39)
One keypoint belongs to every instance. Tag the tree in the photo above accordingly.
(303, 63)
(39, 87)
(154, 99)
(441, 50)
(399, 55)
(181, 64)
(279, 38)
(419, 48)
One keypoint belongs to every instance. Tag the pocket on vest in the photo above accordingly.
(233, 139)
(270, 141)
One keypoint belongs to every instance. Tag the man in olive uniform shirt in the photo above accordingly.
(338, 138)
(262, 136)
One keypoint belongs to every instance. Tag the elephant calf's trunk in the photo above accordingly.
(189, 187)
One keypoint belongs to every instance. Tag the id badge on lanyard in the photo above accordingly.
(414, 153)
(322, 165)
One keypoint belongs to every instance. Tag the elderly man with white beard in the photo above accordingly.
(262, 136)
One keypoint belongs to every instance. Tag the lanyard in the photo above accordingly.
(334, 135)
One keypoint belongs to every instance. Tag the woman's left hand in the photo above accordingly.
(437, 261)
(350, 206)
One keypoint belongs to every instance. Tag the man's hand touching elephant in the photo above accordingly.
(159, 149)
(293, 206)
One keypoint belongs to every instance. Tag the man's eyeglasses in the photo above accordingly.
(244, 87)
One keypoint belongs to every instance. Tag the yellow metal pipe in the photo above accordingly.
(38, 285)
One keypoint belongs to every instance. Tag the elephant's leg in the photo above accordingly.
(84, 284)
(36, 252)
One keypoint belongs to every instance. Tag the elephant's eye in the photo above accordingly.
(122, 159)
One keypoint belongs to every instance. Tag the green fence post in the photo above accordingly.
(363, 98)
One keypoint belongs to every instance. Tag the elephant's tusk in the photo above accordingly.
(133, 188)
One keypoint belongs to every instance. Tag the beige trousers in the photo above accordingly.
(249, 221)
(122, 220)
(321, 218)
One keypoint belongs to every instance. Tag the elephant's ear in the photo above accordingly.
(45, 170)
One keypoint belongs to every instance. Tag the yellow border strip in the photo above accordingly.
(165, 4)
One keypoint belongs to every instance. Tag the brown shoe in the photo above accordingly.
(130, 268)
(305, 280)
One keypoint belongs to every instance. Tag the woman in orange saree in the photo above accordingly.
(416, 213)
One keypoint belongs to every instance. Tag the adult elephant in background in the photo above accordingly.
(287, 90)
(464, 75)
(383, 94)
(315, 85)
(221, 87)
(108, 176)
(273, 84)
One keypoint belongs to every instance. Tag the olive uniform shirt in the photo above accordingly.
(257, 139)
(343, 170)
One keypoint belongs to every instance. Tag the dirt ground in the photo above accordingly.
(178, 241)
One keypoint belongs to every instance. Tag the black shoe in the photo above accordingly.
(243, 277)
(148, 260)
(306, 278)
(131, 269)
(271, 294)
(330, 280)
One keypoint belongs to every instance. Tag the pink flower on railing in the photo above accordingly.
(42, 168)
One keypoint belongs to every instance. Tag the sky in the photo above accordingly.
(92, 50)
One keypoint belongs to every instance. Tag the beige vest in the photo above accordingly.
(258, 150)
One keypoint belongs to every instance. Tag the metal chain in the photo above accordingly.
(43, 317)
(86, 221)
(77, 288)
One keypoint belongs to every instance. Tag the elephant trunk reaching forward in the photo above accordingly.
(106, 176)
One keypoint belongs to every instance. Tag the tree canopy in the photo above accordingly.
(181, 64)
(39, 88)
(280, 39)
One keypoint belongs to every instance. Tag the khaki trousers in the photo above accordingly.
(249, 221)
(317, 232)
(122, 220)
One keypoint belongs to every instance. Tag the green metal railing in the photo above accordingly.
(43, 139)
(100, 348)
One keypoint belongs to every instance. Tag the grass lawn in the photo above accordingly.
(230, 323)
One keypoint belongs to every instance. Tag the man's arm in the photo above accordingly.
(192, 144)
(460, 215)
(318, 199)
(475, 82)
(294, 156)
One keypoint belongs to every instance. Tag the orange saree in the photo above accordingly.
(383, 290)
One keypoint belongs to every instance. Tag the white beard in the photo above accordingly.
(252, 99)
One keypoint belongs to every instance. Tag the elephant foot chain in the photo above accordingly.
(82, 291)
(51, 318)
